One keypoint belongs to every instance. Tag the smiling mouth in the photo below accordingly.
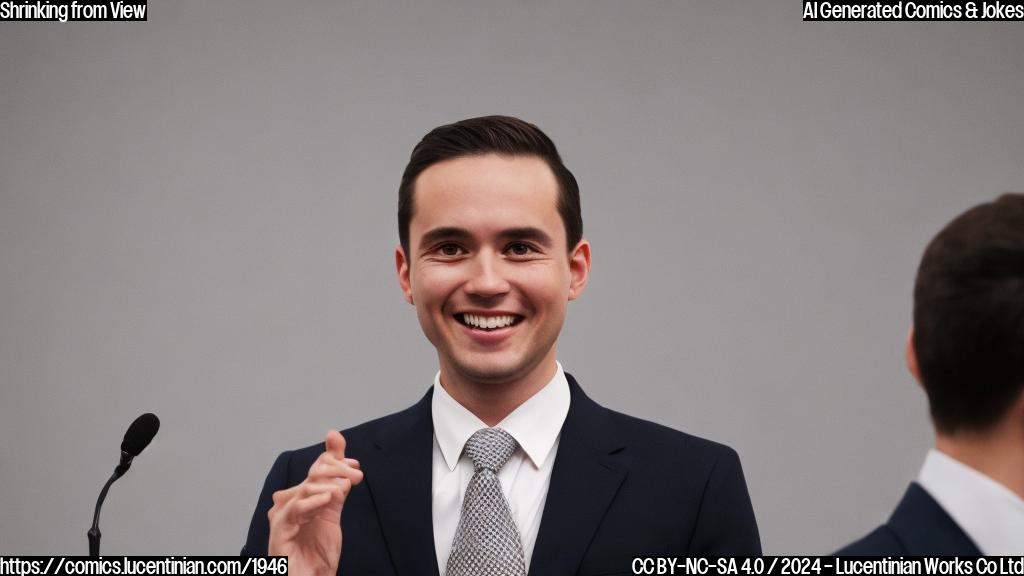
(488, 323)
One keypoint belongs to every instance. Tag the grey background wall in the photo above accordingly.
(197, 219)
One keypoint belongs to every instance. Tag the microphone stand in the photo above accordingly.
(94, 532)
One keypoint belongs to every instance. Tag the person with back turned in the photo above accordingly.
(505, 466)
(966, 348)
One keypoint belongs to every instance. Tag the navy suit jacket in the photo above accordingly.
(620, 487)
(918, 527)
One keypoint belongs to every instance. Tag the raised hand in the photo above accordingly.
(305, 520)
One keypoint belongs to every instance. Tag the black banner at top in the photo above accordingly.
(917, 10)
(73, 10)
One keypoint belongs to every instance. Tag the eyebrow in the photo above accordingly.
(455, 233)
(529, 233)
(443, 233)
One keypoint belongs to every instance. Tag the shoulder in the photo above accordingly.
(650, 438)
(881, 542)
(693, 468)
(359, 441)
(699, 480)
(919, 526)
(655, 447)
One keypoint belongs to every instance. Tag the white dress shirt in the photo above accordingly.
(536, 425)
(988, 512)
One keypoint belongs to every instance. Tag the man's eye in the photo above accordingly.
(449, 249)
(520, 249)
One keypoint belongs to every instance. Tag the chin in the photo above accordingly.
(493, 371)
(492, 376)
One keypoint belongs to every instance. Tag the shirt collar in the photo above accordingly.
(535, 424)
(990, 513)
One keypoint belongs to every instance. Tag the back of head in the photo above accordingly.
(969, 316)
(503, 135)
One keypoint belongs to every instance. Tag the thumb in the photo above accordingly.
(335, 444)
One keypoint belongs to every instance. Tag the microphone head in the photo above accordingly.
(140, 433)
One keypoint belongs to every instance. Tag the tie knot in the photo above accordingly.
(490, 448)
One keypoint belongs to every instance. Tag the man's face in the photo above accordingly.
(488, 268)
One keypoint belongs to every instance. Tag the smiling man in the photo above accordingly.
(490, 270)
(505, 466)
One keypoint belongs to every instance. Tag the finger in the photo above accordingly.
(332, 459)
(327, 469)
(338, 489)
(308, 497)
(281, 498)
(315, 505)
(284, 501)
(302, 509)
(335, 444)
(328, 459)
(284, 494)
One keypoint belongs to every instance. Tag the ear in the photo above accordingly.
(579, 268)
(402, 267)
(1018, 407)
(911, 356)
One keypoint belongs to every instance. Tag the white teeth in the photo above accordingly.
(487, 322)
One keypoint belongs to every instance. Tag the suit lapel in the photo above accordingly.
(399, 481)
(589, 468)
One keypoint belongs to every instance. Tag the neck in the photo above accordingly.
(998, 454)
(492, 401)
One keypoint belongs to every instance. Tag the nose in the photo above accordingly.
(487, 278)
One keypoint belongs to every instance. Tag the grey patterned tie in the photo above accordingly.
(487, 542)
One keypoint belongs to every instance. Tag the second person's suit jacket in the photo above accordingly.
(918, 527)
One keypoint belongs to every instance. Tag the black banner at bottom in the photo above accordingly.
(828, 565)
(142, 565)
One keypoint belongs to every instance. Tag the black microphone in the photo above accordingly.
(138, 436)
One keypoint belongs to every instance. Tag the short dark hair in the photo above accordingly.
(503, 135)
(969, 316)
